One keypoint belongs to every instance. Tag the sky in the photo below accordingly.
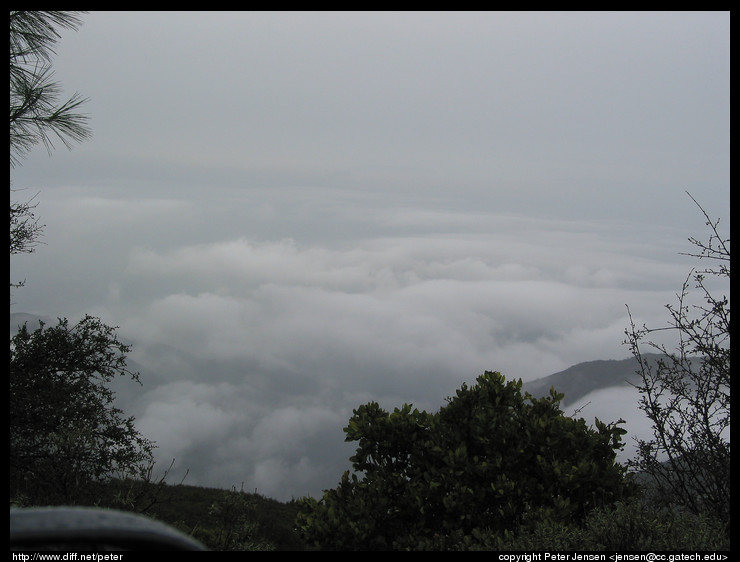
(288, 215)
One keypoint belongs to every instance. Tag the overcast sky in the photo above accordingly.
(291, 214)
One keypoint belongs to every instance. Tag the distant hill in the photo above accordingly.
(17, 319)
(584, 378)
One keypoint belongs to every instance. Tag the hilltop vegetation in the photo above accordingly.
(229, 519)
(220, 519)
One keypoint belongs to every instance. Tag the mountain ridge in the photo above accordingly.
(586, 377)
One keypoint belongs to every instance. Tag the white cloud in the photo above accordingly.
(297, 335)
(181, 415)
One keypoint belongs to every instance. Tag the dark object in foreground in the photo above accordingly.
(90, 529)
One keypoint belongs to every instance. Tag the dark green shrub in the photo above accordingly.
(467, 475)
(627, 526)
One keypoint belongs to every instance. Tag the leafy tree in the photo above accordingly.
(66, 435)
(686, 395)
(468, 475)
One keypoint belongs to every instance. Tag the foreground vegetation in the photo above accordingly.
(471, 472)
(224, 520)
(230, 519)
(491, 470)
(234, 520)
(497, 470)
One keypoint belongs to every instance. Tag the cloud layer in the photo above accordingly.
(255, 350)
(258, 360)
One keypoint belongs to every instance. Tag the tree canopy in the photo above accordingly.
(66, 434)
(488, 462)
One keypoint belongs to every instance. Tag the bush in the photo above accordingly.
(633, 525)
(467, 475)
